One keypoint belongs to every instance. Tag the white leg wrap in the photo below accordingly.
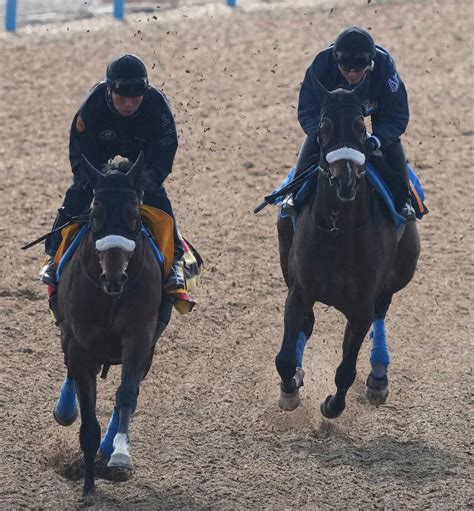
(121, 444)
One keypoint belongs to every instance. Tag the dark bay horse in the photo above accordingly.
(109, 311)
(344, 251)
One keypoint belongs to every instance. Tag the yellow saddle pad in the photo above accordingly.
(159, 223)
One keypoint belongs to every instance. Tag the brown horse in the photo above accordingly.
(110, 310)
(344, 251)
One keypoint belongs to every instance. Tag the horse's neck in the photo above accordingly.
(326, 204)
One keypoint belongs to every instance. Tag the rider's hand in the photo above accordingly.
(371, 145)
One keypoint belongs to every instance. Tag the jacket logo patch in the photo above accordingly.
(107, 135)
(394, 83)
(80, 126)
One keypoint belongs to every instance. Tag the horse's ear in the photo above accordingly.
(360, 92)
(135, 171)
(321, 91)
(92, 173)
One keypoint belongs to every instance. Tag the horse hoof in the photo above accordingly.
(377, 389)
(377, 397)
(120, 460)
(289, 402)
(64, 421)
(326, 409)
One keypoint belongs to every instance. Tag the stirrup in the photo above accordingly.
(47, 274)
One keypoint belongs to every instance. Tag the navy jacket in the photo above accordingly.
(386, 101)
(101, 133)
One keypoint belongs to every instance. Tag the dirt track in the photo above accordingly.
(208, 433)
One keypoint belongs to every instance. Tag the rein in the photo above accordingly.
(78, 219)
(334, 216)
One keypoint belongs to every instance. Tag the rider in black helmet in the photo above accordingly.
(122, 115)
(353, 56)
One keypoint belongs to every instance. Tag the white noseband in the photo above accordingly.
(114, 241)
(346, 153)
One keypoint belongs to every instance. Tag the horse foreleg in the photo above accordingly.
(377, 381)
(134, 367)
(355, 332)
(299, 322)
(65, 410)
(84, 373)
(285, 239)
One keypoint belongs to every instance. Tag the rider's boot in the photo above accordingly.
(398, 180)
(307, 155)
(407, 211)
(47, 274)
(175, 278)
(288, 207)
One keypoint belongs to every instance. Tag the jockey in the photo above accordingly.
(344, 64)
(122, 115)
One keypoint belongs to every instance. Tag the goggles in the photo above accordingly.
(132, 87)
(358, 62)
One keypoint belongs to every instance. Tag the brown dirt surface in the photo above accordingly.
(208, 433)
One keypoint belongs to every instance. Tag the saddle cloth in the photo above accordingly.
(158, 230)
(415, 190)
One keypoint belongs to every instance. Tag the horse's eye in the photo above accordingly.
(358, 127)
(97, 214)
(325, 131)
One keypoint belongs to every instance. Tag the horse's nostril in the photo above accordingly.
(123, 278)
(103, 278)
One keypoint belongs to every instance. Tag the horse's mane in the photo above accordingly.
(116, 167)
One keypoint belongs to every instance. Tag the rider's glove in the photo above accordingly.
(371, 144)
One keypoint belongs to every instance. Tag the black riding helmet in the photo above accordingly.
(354, 48)
(127, 76)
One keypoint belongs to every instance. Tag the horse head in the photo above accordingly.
(342, 133)
(115, 219)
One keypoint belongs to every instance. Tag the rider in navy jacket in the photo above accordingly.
(121, 116)
(344, 64)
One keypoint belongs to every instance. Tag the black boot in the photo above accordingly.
(397, 179)
(407, 211)
(175, 278)
(78, 198)
(308, 155)
(47, 274)
(288, 207)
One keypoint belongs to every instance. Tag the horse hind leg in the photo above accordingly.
(354, 335)
(377, 381)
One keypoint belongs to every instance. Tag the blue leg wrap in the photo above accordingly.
(66, 405)
(300, 346)
(379, 353)
(106, 445)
